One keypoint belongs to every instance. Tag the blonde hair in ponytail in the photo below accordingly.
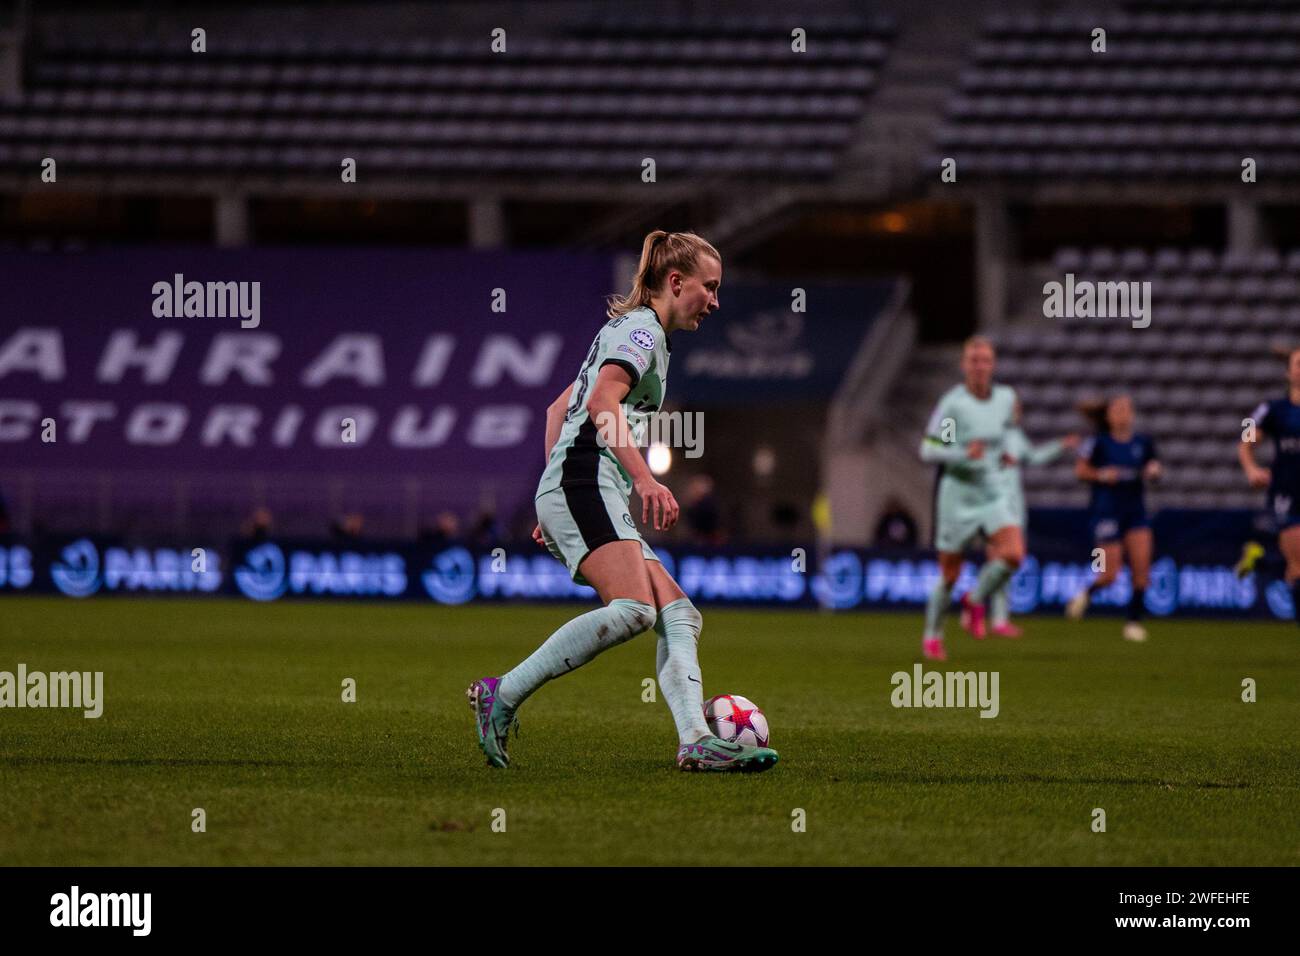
(661, 253)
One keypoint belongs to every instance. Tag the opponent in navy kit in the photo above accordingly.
(1279, 419)
(1117, 462)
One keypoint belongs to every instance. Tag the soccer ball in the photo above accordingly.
(736, 719)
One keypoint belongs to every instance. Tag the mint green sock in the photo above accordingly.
(677, 667)
(999, 607)
(935, 607)
(573, 645)
(993, 575)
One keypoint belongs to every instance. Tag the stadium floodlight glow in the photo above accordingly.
(893, 222)
(660, 457)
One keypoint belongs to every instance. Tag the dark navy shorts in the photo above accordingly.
(1110, 526)
(1284, 505)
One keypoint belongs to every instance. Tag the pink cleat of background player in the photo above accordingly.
(932, 648)
(972, 617)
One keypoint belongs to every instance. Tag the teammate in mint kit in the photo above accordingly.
(594, 431)
(967, 437)
(1020, 451)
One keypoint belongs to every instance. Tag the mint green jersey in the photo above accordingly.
(636, 342)
(972, 497)
(959, 419)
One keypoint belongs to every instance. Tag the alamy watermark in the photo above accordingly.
(1086, 299)
(923, 688)
(74, 908)
(684, 430)
(208, 300)
(82, 690)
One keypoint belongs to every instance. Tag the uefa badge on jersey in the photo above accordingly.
(643, 338)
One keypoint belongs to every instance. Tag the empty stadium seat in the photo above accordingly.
(1203, 364)
(1162, 100)
(724, 81)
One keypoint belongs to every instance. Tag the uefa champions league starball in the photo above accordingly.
(736, 719)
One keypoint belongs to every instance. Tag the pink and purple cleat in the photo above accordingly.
(492, 720)
(933, 650)
(972, 618)
(1006, 629)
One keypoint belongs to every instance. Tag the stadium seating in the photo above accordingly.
(1201, 367)
(1174, 95)
(714, 96)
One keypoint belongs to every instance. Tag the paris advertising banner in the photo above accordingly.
(83, 566)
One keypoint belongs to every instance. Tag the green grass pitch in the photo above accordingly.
(236, 708)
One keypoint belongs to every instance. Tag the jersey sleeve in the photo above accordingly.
(1045, 453)
(1098, 456)
(632, 347)
(1015, 443)
(1013, 420)
(1264, 419)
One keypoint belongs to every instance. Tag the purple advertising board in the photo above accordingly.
(153, 362)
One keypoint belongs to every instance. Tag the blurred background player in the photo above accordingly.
(896, 529)
(966, 437)
(594, 431)
(1020, 451)
(1280, 419)
(1117, 462)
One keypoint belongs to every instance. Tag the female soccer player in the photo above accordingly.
(966, 437)
(1116, 461)
(1020, 451)
(1280, 419)
(593, 433)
